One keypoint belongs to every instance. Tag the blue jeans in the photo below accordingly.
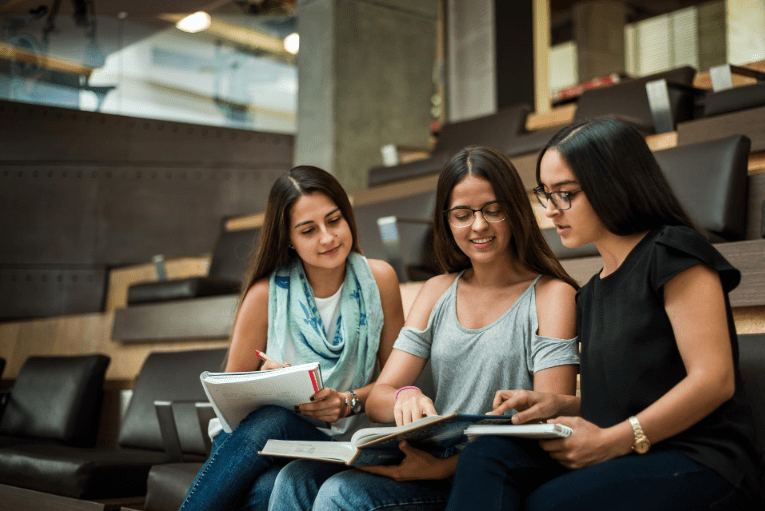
(235, 476)
(496, 473)
(307, 484)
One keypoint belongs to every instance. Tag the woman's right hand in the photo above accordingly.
(411, 405)
(271, 364)
(533, 406)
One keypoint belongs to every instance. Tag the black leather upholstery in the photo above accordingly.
(496, 130)
(414, 240)
(626, 101)
(102, 472)
(56, 398)
(735, 99)
(227, 267)
(168, 484)
(710, 178)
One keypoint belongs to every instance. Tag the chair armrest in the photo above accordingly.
(660, 105)
(722, 76)
(169, 428)
(391, 240)
(5, 396)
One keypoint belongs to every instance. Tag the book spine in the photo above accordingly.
(313, 381)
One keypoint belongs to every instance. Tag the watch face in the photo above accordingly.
(642, 446)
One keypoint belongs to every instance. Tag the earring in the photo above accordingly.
(290, 246)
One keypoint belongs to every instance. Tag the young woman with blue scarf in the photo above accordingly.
(501, 317)
(310, 296)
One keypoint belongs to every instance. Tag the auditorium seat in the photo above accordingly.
(120, 471)
(55, 400)
(495, 130)
(725, 98)
(400, 232)
(227, 266)
(710, 178)
(626, 101)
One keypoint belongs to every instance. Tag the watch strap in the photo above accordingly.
(640, 444)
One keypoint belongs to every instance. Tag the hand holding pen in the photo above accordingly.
(270, 363)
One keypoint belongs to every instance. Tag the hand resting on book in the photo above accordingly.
(416, 465)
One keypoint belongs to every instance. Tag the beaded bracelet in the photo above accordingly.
(404, 388)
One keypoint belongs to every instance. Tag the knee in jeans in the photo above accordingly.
(267, 413)
(331, 495)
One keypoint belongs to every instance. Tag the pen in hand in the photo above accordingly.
(265, 358)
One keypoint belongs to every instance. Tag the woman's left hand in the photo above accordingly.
(417, 465)
(327, 405)
(587, 445)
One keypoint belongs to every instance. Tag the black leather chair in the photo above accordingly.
(495, 130)
(116, 472)
(400, 231)
(229, 259)
(626, 101)
(710, 178)
(55, 400)
(727, 99)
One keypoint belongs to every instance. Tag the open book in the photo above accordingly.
(539, 431)
(379, 445)
(235, 395)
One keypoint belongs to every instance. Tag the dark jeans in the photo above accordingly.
(496, 473)
(235, 476)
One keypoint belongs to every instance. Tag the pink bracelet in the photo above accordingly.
(404, 388)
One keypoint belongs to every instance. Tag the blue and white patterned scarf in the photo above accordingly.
(292, 308)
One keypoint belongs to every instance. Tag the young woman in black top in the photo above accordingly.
(660, 423)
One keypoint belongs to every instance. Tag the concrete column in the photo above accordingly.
(746, 31)
(599, 37)
(712, 35)
(492, 61)
(365, 79)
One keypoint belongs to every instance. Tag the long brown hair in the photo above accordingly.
(527, 245)
(273, 248)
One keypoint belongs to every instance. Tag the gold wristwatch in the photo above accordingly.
(641, 445)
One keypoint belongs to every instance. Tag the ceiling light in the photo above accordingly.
(292, 43)
(194, 22)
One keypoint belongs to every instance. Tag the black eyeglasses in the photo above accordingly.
(463, 216)
(561, 200)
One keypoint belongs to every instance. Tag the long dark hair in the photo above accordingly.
(619, 175)
(527, 245)
(273, 248)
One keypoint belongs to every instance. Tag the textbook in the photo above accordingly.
(235, 395)
(379, 445)
(539, 431)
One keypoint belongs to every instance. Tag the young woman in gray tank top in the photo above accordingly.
(501, 317)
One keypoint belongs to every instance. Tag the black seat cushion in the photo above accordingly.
(710, 179)
(168, 484)
(735, 99)
(78, 473)
(228, 264)
(179, 289)
(496, 130)
(170, 376)
(57, 398)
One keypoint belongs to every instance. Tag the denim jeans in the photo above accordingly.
(496, 473)
(235, 476)
(307, 484)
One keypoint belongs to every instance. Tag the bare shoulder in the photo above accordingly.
(383, 272)
(427, 298)
(556, 308)
(256, 298)
(551, 289)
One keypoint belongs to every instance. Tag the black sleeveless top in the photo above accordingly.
(630, 357)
